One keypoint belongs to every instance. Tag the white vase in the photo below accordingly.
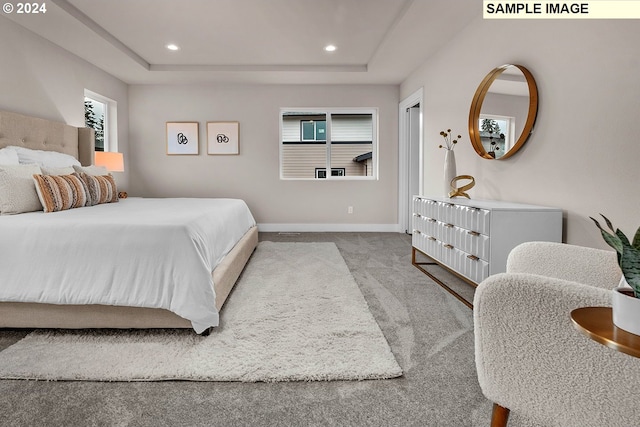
(449, 170)
(626, 308)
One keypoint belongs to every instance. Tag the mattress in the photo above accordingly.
(153, 253)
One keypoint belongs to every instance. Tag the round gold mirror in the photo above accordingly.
(503, 112)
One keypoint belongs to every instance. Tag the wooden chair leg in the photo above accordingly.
(499, 416)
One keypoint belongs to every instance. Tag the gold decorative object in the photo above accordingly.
(460, 191)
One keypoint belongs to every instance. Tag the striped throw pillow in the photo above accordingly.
(100, 188)
(60, 192)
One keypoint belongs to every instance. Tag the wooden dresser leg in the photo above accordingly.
(499, 416)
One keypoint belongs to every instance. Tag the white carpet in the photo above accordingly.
(296, 314)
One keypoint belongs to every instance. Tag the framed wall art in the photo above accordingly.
(182, 138)
(223, 137)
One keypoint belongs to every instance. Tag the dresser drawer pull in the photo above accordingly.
(449, 225)
(450, 205)
(473, 257)
(432, 220)
(432, 238)
(448, 246)
(473, 233)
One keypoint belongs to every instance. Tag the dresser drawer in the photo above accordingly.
(430, 226)
(474, 219)
(474, 268)
(470, 266)
(472, 243)
(471, 218)
(425, 207)
(468, 241)
(429, 245)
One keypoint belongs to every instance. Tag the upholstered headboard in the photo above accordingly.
(40, 134)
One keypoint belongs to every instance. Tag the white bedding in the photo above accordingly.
(156, 253)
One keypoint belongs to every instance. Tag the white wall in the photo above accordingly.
(254, 174)
(584, 153)
(40, 79)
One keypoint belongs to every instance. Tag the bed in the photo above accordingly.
(137, 263)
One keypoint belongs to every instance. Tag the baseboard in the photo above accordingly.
(308, 228)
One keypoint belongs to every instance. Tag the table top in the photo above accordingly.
(597, 324)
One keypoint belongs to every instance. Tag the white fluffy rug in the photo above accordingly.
(296, 314)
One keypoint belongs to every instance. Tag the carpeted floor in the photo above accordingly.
(429, 331)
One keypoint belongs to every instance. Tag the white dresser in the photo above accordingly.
(473, 238)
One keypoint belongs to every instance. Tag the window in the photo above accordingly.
(342, 140)
(100, 113)
(322, 172)
(314, 130)
(496, 134)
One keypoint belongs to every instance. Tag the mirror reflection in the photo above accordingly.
(502, 112)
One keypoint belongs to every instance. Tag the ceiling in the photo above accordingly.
(253, 41)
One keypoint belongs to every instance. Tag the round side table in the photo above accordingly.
(597, 324)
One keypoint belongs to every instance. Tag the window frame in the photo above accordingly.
(315, 130)
(510, 132)
(328, 112)
(110, 125)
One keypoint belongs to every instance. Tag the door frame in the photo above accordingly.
(416, 97)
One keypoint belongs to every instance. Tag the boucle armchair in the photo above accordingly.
(529, 357)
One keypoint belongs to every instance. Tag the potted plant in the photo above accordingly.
(626, 298)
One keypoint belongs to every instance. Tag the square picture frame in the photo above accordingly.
(223, 138)
(182, 138)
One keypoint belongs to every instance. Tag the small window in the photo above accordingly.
(322, 172)
(497, 134)
(100, 113)
(342, 140)
(314, 130)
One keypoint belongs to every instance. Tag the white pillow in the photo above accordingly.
(67, 170)
(17, 189)
(52, 159)
(92, 170)
(8, 156)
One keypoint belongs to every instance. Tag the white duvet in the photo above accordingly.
(156, 253)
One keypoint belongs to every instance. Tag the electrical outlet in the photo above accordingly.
(350, 210)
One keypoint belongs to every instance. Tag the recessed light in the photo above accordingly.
(330, 48)
(172, 47)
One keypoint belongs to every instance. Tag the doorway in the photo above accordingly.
(410, 171)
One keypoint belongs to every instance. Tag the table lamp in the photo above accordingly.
(114, 162)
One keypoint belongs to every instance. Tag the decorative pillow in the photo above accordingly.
(8, 156)
(17, 190)
(67, 170)
(52, 159)
(60, 192)
(100, 188)
(92, 170)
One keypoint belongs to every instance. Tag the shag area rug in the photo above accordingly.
(296, 314)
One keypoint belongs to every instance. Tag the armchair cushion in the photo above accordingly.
(590, 266)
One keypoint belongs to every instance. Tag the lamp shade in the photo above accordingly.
(114, 162)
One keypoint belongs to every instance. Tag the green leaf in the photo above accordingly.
(630, 265)
(611, 239)
(636, 239)
(608, 222)
(623, 238)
